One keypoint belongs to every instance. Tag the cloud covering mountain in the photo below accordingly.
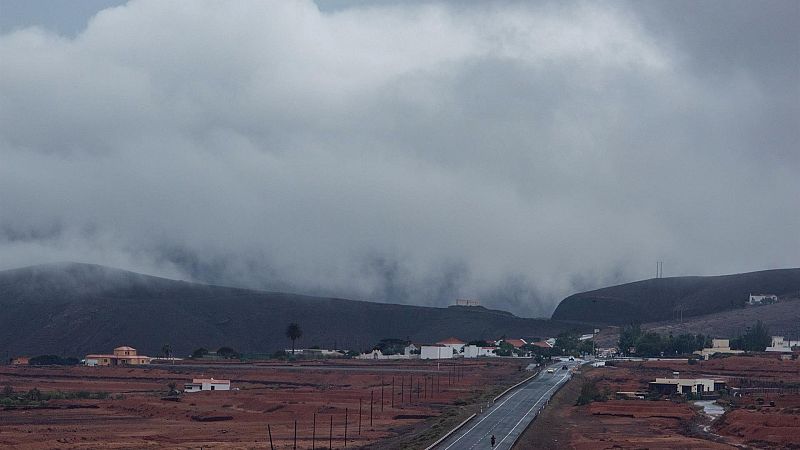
(416, 152)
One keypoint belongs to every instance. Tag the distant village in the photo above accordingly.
(633, 343)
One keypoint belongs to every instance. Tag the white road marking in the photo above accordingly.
(496, 407)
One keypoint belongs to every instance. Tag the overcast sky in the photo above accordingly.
(414, 152)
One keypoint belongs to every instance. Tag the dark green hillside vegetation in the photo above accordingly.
(662, 299)
(75, 309)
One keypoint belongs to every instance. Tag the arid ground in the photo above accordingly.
(428, 399)
(767, 415)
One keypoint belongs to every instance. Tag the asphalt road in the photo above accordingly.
(510, 415)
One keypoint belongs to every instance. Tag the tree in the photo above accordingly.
(199, 353)
(227, 353)
(293, 332)
(756, 339)
(166, 350)
(629, 336)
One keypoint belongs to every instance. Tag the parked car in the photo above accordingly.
(563, 367)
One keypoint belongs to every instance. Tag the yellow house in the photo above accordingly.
(123, 356)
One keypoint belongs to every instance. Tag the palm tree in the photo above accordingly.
(293, 332)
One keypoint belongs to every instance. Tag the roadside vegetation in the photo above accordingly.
(633, 341)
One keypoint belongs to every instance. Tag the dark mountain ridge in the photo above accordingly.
(74, 309)
(660, 299)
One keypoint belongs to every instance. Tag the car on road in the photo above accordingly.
(563, 367)
(551, 370)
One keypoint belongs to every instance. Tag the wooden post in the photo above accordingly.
(381, 393)
(392, 391)
(402, 388)
(410, 389)
(359, 416)
(345, 428)
(371, 402)
(269, 430)
(294, 446)
(330, 436)
(314, 433)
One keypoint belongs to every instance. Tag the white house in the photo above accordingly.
(779, 344)
(207, 384)
(762, 299)
(454, 343)
(718, 346)
(686, 385)
(437, 351)
(474, 351)
(411, 350)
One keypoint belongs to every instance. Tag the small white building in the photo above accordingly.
(686, 385)
(718, 346)
(436, 351)
(474, 351)
(779, 344)
(762, 299)
(411, 350)
(207, 384)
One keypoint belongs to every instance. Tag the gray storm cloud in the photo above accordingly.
(512, 152)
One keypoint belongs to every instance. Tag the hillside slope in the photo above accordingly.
(782, 319)
(74, 309)
(659, 299)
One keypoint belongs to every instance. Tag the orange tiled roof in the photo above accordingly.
(452, 340)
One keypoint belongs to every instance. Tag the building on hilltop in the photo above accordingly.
(122, 356)
(762, 299)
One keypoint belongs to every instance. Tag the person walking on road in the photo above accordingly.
(492, 441)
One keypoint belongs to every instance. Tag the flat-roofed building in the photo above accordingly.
(122, 356)
(207, 384)
(436, 351)
(686, 385)
(718, 346)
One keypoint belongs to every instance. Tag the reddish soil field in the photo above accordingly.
(631, 424)
(135, 416)
(751, 421)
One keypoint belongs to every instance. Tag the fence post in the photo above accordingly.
(269, 430)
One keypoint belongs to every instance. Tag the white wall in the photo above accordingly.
(434, 352)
